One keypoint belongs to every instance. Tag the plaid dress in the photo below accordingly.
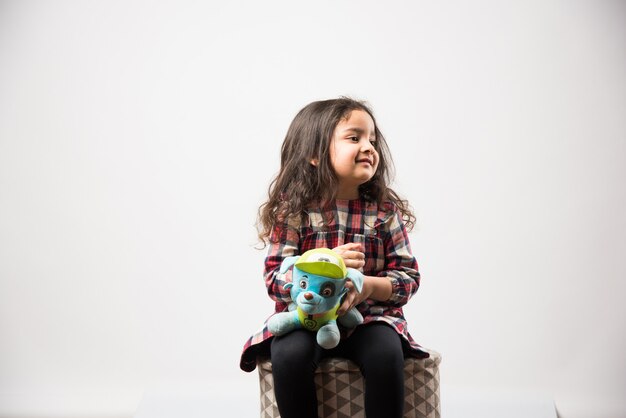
(381, 232)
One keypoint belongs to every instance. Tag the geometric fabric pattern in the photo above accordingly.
(340, 388)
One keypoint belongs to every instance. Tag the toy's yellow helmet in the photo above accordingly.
(322, 262)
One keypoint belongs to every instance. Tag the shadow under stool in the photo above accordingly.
(340, 388)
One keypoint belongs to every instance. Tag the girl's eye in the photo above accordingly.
(354, 138)
(373, 142)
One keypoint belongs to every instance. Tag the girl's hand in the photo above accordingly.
(352, 255)
(376, 288)
(353, 297)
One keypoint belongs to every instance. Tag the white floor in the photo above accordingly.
(492, 403)
(237, 399)
(240, 399)
(194, 406)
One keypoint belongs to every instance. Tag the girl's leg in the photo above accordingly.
(295, 357)
(377, 349)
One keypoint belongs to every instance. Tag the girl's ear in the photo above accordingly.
(314, 162)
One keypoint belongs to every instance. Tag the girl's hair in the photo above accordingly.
(300, 184)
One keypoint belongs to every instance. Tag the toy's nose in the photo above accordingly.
(308, 296)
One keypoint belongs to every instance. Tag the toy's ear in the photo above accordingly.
(356, 277)
(288, 286)
(288, 262)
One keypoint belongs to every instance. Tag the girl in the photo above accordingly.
(332, 191)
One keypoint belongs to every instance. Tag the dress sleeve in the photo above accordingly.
(400, 264)
(283, 243)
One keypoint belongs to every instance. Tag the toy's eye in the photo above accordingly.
(328, 289)
(303, 284)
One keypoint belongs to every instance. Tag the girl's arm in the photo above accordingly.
(400, 278)
(285, 244)
(401, 268)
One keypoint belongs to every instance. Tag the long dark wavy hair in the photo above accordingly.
(299, 184)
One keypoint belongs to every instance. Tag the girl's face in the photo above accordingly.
(352, 153)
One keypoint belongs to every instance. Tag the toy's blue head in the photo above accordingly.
(318, 280)
(315, 294)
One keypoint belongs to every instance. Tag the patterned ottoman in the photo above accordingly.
(340, 388)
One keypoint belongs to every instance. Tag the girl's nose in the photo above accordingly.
(367, 146)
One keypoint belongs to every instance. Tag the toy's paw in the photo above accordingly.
(328, 336)
(351, 319)
(281, 323)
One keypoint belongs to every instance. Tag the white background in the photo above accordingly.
(138, 138)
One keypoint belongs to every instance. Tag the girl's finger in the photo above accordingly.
(358, 254)
(355, 264)
(350, 246)
(345, 306)
(348, 299)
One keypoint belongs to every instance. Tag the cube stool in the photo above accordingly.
(340, 388)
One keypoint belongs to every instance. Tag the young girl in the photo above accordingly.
(332, 191)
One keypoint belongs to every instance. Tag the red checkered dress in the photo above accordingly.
(383, 236)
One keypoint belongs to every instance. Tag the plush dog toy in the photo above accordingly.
(318, 283)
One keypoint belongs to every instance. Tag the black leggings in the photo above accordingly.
(376, 348)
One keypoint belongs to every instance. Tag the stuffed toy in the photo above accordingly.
(318, 284)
